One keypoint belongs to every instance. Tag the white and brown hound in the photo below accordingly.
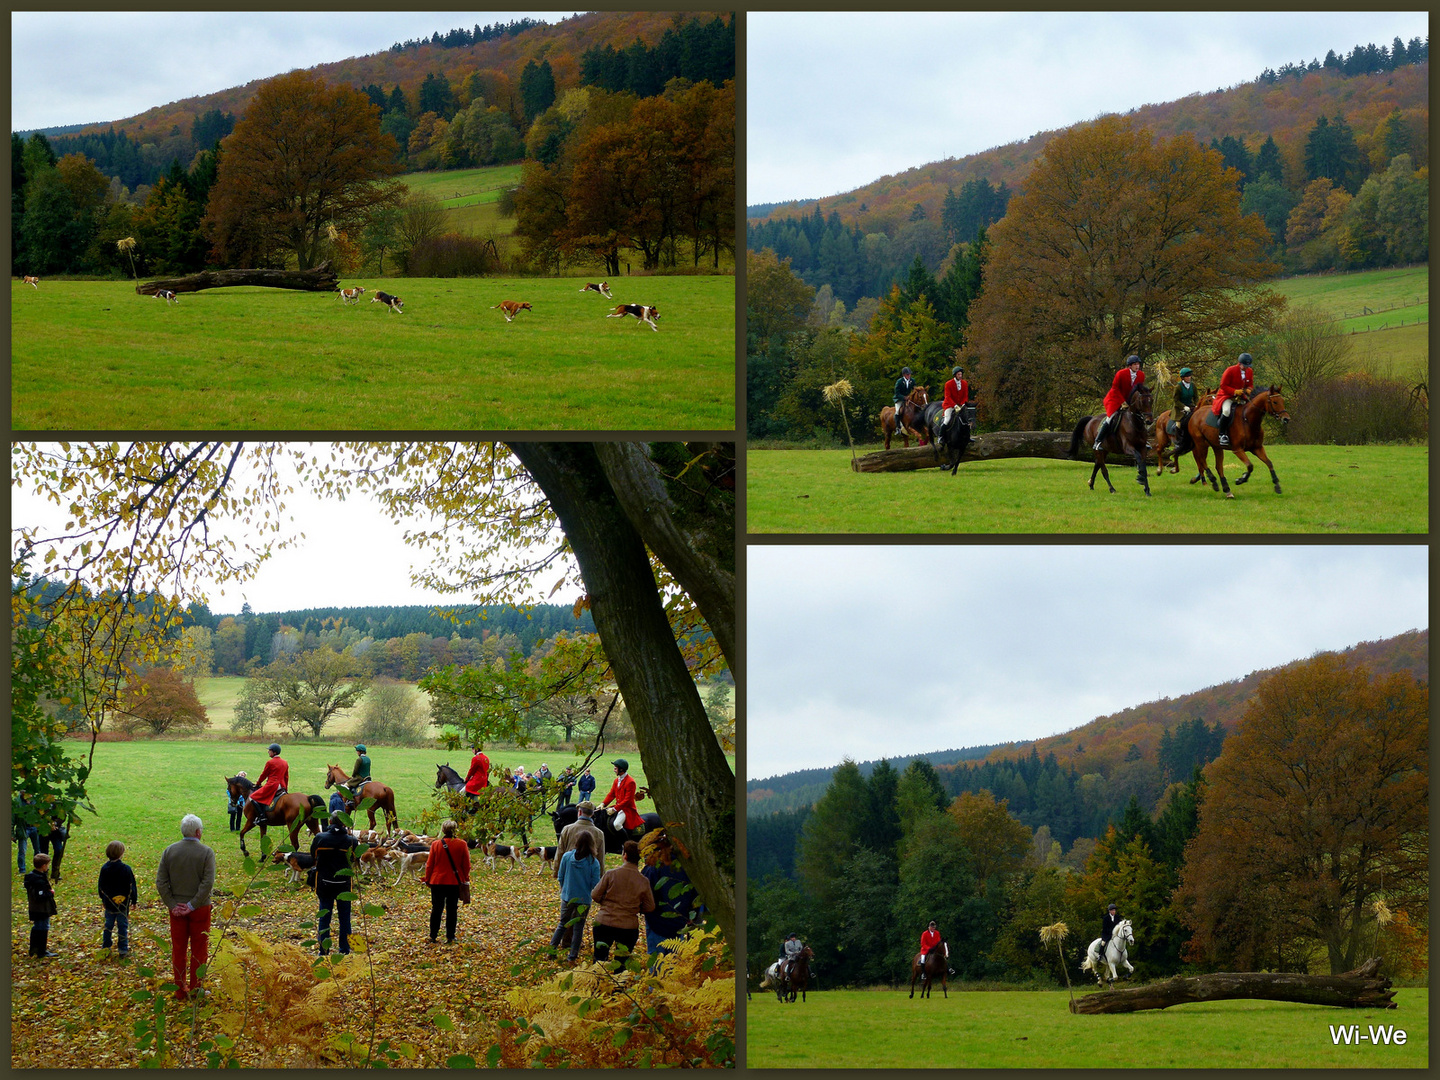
(166, 295)
(394, 303)
(35, 281)
(640, 311)
(511, 856)
(511, 308)
(352, 296)
(602, 287)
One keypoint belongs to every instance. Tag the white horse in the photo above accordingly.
(774, 980)
(1115, 953)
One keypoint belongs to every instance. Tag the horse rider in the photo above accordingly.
(929, 939)
(957, 393)
(1187, 396)
(478, 778)
(1236, 383)
(1107, 926)
(1126, 380)
(903, 386)
(622, 790)
(360, 773)
(790, 948)
(274, 779)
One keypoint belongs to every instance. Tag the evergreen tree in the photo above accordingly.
(1267, 160)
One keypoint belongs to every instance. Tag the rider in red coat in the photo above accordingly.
(627, 814)
(274, 780)
(929, 939)
(957, 393)
(478, 778)
(1239, 378)
(1121, 387)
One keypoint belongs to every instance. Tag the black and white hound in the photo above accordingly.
(166, 295)
(394, 303)
(640, 311)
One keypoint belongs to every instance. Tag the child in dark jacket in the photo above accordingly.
(118, 895)
(42, 906)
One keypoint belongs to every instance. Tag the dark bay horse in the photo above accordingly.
(1247, 432)
(953, 439)
(289, 811)
(1163, 438)
(798, 977)
(1127, 435)
(929, 969)
(383, 795)
(909, 418)
(447, 777)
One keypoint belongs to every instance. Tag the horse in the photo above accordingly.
(288, 811)
(614, 841)
(383, 795)
(903, 425)
(954, 438)
(447, 777)
(1115, 953)
(926, 969)
(796, 979)
(1163, 440)
(1247, 432)
(1125, 436)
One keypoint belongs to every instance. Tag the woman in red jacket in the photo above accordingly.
(1121, 387)
(447, 867)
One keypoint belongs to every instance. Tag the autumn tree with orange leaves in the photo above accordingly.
(1317, 807)
(1117, 241)
(306, 156)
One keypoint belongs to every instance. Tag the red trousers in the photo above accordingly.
(192, 930)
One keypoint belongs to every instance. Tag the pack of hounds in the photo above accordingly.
(645, 313)
(406, 852)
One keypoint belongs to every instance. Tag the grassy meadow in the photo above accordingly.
(95, 355)
(1393, 338)
(988, 1029)
(470, 197)
(1326, 490)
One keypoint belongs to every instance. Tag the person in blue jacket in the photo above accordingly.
(579, 874)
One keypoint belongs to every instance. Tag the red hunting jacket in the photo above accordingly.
(1237, 379)
(1121, 388)
(956, 395)
(623, 792)
(438, 870)
(274, 776)
(479, 775)
(929, 939)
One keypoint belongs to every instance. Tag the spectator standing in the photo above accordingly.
(674, 899)
(42, 907)
(586, 786)
(571, 833)
(621, 897)
(332, 850)
(447, 867)
(184, 880)
(579, 873)
(118, 895)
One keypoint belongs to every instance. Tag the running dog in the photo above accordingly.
(352, 296)
(511, 308)
(602, 287)
(35, 281)
(640, 311)
(546, 855)
(394, 303)
(166, 295)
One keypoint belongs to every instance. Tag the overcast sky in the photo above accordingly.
(838, 99)
(883, 651)
(352, 555)
(94, 66)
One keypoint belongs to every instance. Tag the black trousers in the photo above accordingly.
(446, 898)
(605, 936)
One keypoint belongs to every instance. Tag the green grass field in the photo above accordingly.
(94, 355)
(1326, 490)
(987, 1029)
(1394, 339)
(470, 198)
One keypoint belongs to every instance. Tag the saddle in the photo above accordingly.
(1211, 419)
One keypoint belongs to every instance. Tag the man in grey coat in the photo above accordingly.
(571, 833)
(184, 880)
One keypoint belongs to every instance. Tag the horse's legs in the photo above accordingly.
(1141, 478)
(1100, 460)
(1249, 467)
(1260, 453)
(1220, 468)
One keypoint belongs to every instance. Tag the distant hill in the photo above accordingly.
(802, 788)
(1105, 742)
(1285, 109)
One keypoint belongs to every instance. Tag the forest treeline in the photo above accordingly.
(1217, 871)
(114, 203)
(981, 277)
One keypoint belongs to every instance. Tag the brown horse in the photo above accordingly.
(1163, 441)
(1127, 435)
(928, 969)
(1247, 432)
(909, 420)
(798, 977)
(383, 795)
(289, 811)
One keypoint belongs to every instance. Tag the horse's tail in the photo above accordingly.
(1076, 435)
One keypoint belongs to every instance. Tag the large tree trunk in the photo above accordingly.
(1362, 988)
(690, 780)
(990, 445)
(320, 279)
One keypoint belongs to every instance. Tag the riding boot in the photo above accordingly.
(1100, 434)
(1225, 429)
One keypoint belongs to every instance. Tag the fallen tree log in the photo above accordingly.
(319, 279)
(989, 446)
(1362, 988)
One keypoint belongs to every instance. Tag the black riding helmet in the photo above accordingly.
(1133, 359)
(621, 764)
(904, 371)
(957, 372)
(1246, 359)
(274, 748)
